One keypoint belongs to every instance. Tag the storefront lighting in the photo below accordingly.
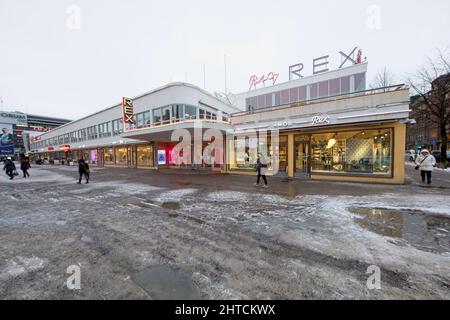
(331, 143)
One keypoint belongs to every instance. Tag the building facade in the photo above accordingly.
(327, 126)
(19, 129)
(426, 132)
(104, 138)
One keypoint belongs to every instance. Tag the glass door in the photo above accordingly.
(302, 154)
(283, 154)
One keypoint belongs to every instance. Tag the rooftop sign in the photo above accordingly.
(321, 64)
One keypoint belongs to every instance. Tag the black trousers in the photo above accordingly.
(10, 173)
(427, 174)
(25, 173)
(86, 175)
(263, 176)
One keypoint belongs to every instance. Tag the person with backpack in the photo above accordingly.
(260, 169)
(25, 166)
(9, 168)
(83, 170)
(425, 163)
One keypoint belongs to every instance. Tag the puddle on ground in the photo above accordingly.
(166, 283)
(171, 205)
(426, 232)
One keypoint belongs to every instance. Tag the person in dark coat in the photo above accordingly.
(87, 171)
(25, 166)
(9, 168)
(261, 171)
(83, 170)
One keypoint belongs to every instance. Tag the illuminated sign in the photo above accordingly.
(282, 124)
(127, 109)
(65, 148)
(41, 129)
(255, 80)
(321, 64)
(321, 119)
(161, 157)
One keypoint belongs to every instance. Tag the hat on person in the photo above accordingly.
(9, 158)
(424, 151)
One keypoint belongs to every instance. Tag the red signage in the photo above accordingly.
(255, 80)
(65, 148)
(51, 149)
(127, 110)
(41, 129)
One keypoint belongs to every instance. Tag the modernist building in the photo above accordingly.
(147, 143)
(328, 127)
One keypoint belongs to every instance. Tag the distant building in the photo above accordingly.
(425, 133)
(19, 129)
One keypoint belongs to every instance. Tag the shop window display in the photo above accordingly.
(121, 156)
(245, 152)
(352, 152)
(108, 156)
(145, 156)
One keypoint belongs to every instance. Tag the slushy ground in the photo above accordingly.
(141, 234)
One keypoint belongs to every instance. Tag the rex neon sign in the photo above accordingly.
(127, 110)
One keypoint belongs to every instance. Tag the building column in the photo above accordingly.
(399, 151)
(290, 155)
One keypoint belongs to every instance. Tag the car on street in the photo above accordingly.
(437, 155)
(410, 155)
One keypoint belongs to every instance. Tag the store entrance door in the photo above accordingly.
(302, 156)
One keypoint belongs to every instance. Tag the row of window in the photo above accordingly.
(174, 113)
(155, 117)
(102, 130)
(322, 89)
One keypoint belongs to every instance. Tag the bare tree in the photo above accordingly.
(383, 79)
(431, 84)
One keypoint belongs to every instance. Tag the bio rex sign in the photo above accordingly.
(127, 110)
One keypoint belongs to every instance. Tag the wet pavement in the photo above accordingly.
(140, 234)
(423, 231)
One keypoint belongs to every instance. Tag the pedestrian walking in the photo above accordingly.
(83, 170)
(10, 168)
(87, 171)
(261, 170)
(425, 162)
(25, 166)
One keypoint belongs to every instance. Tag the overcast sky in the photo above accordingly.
(52, 63)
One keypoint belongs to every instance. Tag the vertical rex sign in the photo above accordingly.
(127, 110)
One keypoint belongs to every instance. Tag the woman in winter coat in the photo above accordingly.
(426, 163)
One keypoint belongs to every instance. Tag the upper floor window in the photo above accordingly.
(190, 112)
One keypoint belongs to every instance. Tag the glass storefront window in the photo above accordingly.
(352, 152)
(244, 152)
(108, 156)
(145, 156)
(121, 156)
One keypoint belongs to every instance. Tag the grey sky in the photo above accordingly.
(125, 48)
